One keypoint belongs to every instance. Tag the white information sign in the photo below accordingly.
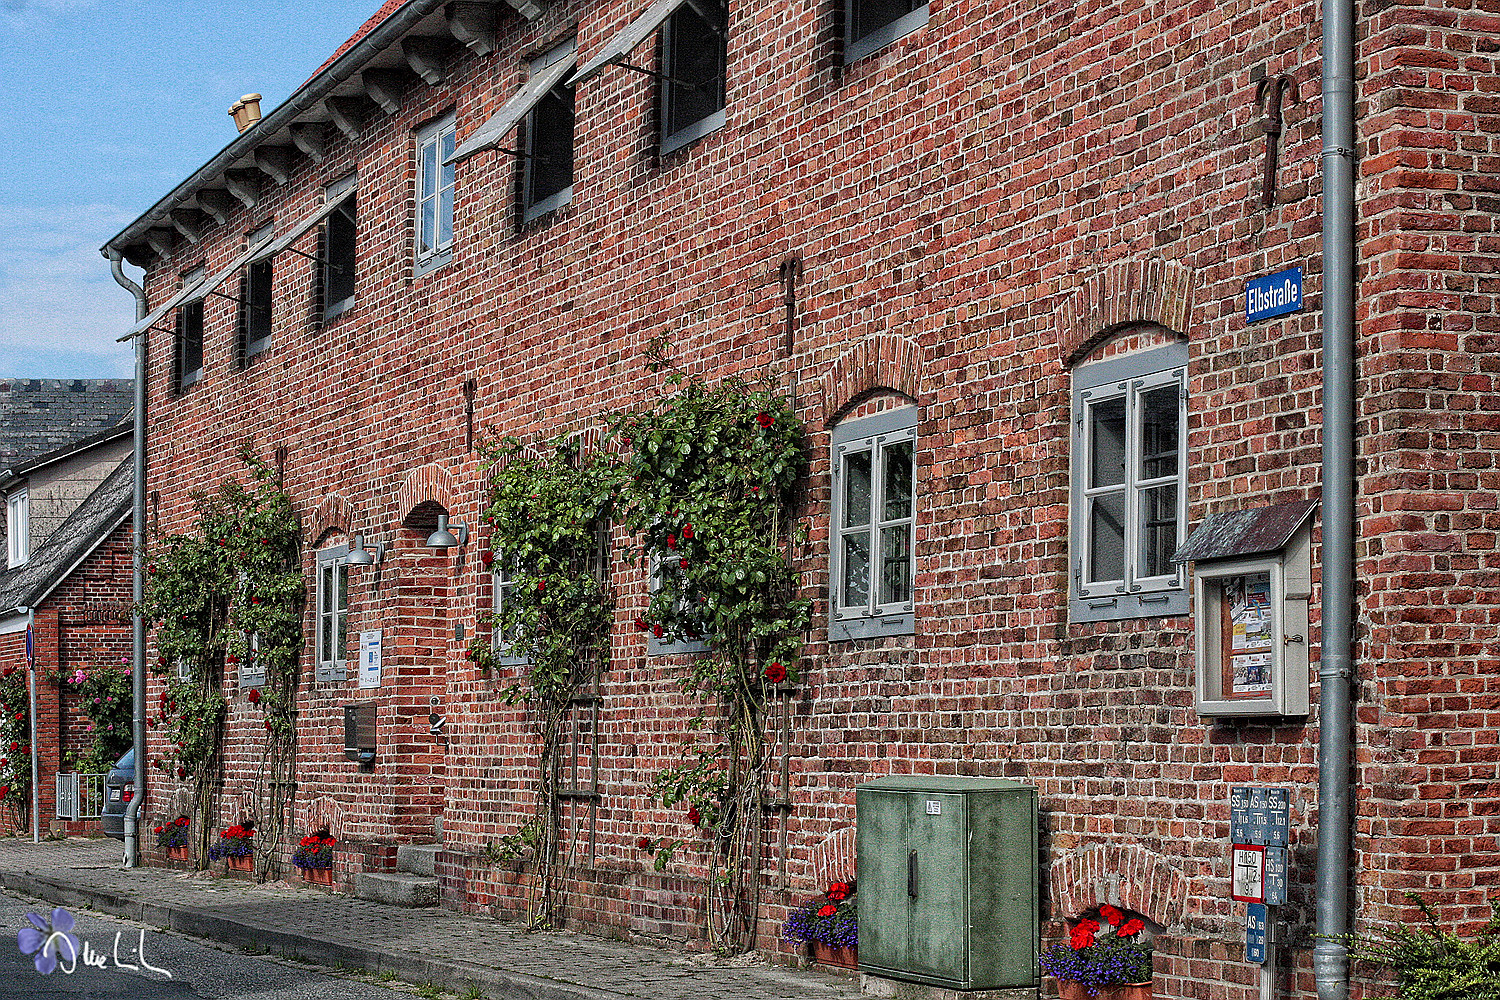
(369, 659)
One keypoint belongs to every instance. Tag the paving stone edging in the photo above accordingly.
(323, 951)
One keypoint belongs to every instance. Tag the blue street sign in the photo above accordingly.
(1259, 815)
(1273, 295)
(1275, 876)
(1255, 932)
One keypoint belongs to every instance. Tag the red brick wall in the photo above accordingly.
(84, 623)
(977, 207)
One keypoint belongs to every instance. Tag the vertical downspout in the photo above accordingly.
(1335, 673)
(137, 576)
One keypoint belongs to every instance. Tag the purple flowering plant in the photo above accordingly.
(831, 919)
(1101, 952)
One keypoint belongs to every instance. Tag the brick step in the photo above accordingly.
(418, 859)
(397, 888)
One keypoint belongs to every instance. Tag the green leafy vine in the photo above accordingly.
(227, 595)
(550, 512)
(710, 492)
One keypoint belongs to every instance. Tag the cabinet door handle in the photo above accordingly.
(911, 874)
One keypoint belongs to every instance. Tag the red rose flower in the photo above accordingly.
(687, 531)
(672, 542)
(541, 585)
(1132, 927)
(181, 773)
(764, 419)
(1111, 914)
(693, 815)
(231, 658)
(487, 557)
(682, 564)
(827, 910)
(656, 630)
(14, 746)
(644, 843)
(158, 829)
(640, 623)
(775, 672)
(268, 725)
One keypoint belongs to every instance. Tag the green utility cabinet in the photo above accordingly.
(948, 881)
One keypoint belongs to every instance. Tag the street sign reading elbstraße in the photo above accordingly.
(1273, 295)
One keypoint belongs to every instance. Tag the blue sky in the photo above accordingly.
(104, 108)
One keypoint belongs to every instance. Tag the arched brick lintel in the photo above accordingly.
(428, 483)
(886, 361)
(1123, 293)
(833, 860)
(1126, 875)
(333, 513)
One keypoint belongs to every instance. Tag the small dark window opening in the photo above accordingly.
(694, 56)
(549, 152)
(873, 24)
(189, 343)
(338, 267)
(257, 307)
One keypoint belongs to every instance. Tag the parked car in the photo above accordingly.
(119, 789)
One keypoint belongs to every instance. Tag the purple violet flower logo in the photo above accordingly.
(49, 940)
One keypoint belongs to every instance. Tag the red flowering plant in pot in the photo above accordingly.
(828, 925)
(314, 855)
(1104, 957)
(173, 836)
(235, 846)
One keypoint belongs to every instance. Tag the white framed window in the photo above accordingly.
(435, 189)
(502, 578)
(189, 340)
(873, 537)
(870, 25)
(667, 645)
(694, 45)
(18, 528)
(547, 166)
(255, 298)
(1128, 497)
(338, 251)
(332, 604)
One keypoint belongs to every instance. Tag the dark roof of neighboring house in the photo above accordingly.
(124, 428)
(39, 416)
(103, 511)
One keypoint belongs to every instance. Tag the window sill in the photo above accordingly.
(693, 132)
(1161, 604)
(881, 37)
(187, 382)
(663, 647)
(548, 205)
(436, 262)
(338, 309)
(873, 627)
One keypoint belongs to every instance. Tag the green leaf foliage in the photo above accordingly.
(1430, 963)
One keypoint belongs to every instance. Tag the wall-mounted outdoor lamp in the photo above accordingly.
(434, 720)
(361, 556)
(442, 538)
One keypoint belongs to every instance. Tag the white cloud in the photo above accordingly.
(60, 309)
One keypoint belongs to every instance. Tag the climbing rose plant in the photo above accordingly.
(550, 511)
(226, 594)
(15, 744)
(710, 493)
(104, 697)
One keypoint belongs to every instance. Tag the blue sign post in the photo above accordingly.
(1273, 295)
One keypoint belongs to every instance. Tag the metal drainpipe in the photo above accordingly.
(137, 576)
(1335, 673)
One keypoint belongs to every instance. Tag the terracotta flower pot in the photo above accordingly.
(244, 864)
(178, 853)
(839, 957)
(318, 876)
(1068, 989)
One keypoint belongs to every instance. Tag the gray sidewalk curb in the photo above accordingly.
(197, 923)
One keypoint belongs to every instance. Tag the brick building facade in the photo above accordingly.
(980, 215)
